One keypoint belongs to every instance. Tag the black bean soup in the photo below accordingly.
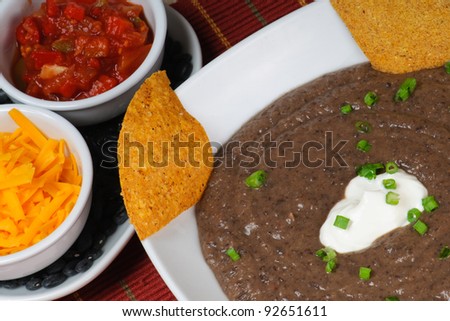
(274, 229)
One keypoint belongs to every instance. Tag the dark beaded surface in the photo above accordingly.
(107, 210)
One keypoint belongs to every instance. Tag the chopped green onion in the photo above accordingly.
(256, 179)
(329, 256)
(405, 90)
(363, 127)
(389, 183)
(430, 204)
(392, 198)
(63, 45)
(391, 168)
(321, 254)
(369, 171)
(392, 298)
(444, 253)
(346, 109)
(371, 98)
(234, 256)
(330, 266)
(364, 273)
(413, 215)
(137, 22)
(363, 145)
(326, 254)
(447, 67)
(341, 222)
(420, 227)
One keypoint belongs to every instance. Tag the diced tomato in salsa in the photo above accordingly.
(79, 49)
(28, 32)
(52, 8)
(74, 11)
(41, 57)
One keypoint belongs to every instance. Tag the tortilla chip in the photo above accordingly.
(399, 36)
(165, 157)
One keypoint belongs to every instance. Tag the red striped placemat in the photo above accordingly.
(219, 25)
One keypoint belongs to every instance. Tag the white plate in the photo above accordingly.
(225, 94)
(178, 28)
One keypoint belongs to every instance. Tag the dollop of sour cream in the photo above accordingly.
(370, 216)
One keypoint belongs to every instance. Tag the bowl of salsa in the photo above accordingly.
(82, 59)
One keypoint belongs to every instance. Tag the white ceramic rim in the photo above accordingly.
(160, 31)
(82, 150)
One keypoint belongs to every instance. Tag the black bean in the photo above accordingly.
(110, 186)
(121, 215)
(84, 265)
(69, 268)
(96, 212)
(72, 253)
(175, 84)
(112, 202)
(11, 284)
(99, 241)
(4, 99)
(83, 242)
(182, 58)
(173, 48)
(34, 283)
(56, 266)
(183, 70)
(93, 254)
(53, 280)
(108, 227)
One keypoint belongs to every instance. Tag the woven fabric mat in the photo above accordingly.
(219, 25)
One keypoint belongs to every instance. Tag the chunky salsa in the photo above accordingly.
(72, 50)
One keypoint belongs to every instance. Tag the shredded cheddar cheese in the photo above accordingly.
(39, 185)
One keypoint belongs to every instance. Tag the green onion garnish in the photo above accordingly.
(364, 273)
(321, 254)
(430, 204)
(330, 266)
(341, 222)
(392, 298)
(447, 67)
(234, 256)
(363, 145)
(405, 90)
(363, 127)
(392, 198)
(389, 183)
(326, 254)
(63, 45)
(329, 256)
(391, 168)
(346, 109)
(371, 98)
(413, 215)
(444, 253)
(420, 227)
(369, 171)
(256, 179)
